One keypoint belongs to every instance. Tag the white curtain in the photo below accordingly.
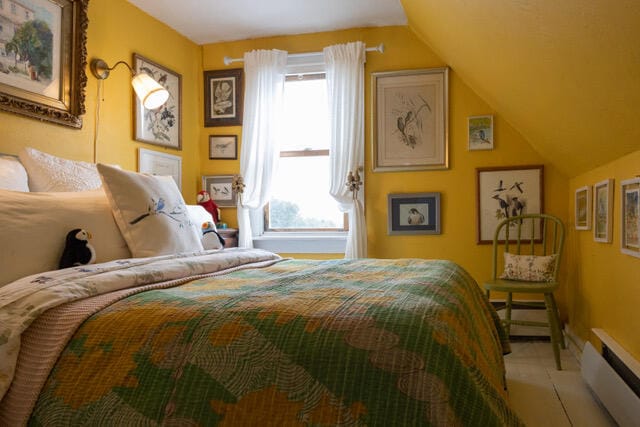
(345, 90)
(264, 87)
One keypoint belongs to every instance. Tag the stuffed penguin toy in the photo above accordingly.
(210, 237)
(77, 250)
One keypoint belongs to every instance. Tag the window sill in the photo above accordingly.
(302, 243)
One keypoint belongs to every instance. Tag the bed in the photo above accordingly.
(244, 337)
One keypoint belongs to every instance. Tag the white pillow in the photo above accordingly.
(33, 227)
(199, 215)
(51, 173)
(150, 212)
(13, 175)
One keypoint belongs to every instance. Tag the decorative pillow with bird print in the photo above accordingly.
(529, 268)
(150, 212)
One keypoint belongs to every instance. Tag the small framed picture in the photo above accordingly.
(161, 126)
(480, 133)
(223, 147)
(506, 191)
(416, 213)
(603, 211)
(583, 208)
(630, 225)
(220, 188)
(157, 163)
(223, 97)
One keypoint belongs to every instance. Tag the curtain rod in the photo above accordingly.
(228, 60)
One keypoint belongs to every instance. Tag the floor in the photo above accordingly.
(544, 396)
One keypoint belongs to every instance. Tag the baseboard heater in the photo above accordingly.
(614, 377)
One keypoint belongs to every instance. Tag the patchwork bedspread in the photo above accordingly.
(366, 342)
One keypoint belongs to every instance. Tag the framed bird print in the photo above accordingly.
(410, 120)
(480, 133)
(223, 147)
(416, 213)
(161, 126)
(220, 188)
(503, 192)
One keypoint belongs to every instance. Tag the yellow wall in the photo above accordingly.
(117, 30)
(605, 289)
(564, 73)
(457, 185)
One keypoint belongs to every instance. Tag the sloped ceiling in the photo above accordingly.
(565, 73)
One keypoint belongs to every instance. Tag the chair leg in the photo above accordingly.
(553, 328)
(507, 314)
(559, 325)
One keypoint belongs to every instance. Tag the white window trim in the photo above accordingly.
(296, 242)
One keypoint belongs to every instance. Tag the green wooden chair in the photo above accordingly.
(539, 235)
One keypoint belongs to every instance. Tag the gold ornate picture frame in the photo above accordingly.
(46, 80)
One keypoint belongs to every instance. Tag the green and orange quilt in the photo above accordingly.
(286, 342)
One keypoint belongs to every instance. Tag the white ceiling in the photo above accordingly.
(211, 21)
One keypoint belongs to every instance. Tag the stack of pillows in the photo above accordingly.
(43, 197)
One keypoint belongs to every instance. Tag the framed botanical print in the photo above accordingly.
(43, 57)
(503, 192)
(583, 208)
(630, 221)
(161, 126)
(417, 213)
(410, 120)
(223, 91)
(603, 211)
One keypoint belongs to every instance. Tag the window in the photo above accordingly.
(14, 10)
(300, 199)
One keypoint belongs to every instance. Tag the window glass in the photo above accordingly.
(300, 199)
(305, 112)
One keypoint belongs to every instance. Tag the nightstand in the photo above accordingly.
(230, 236)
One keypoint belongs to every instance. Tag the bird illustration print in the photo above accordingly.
(511, 199)
(409, 119)
(415, 217)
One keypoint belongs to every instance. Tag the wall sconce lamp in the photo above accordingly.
(149, 92)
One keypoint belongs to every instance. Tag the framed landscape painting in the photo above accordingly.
(630, 224)
(603, 211)
(161, 126)
(504, 192)
(410, 120)
(43, 58)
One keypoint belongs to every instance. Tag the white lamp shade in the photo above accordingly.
(149, 92)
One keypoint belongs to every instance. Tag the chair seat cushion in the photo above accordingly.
(505, 285)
